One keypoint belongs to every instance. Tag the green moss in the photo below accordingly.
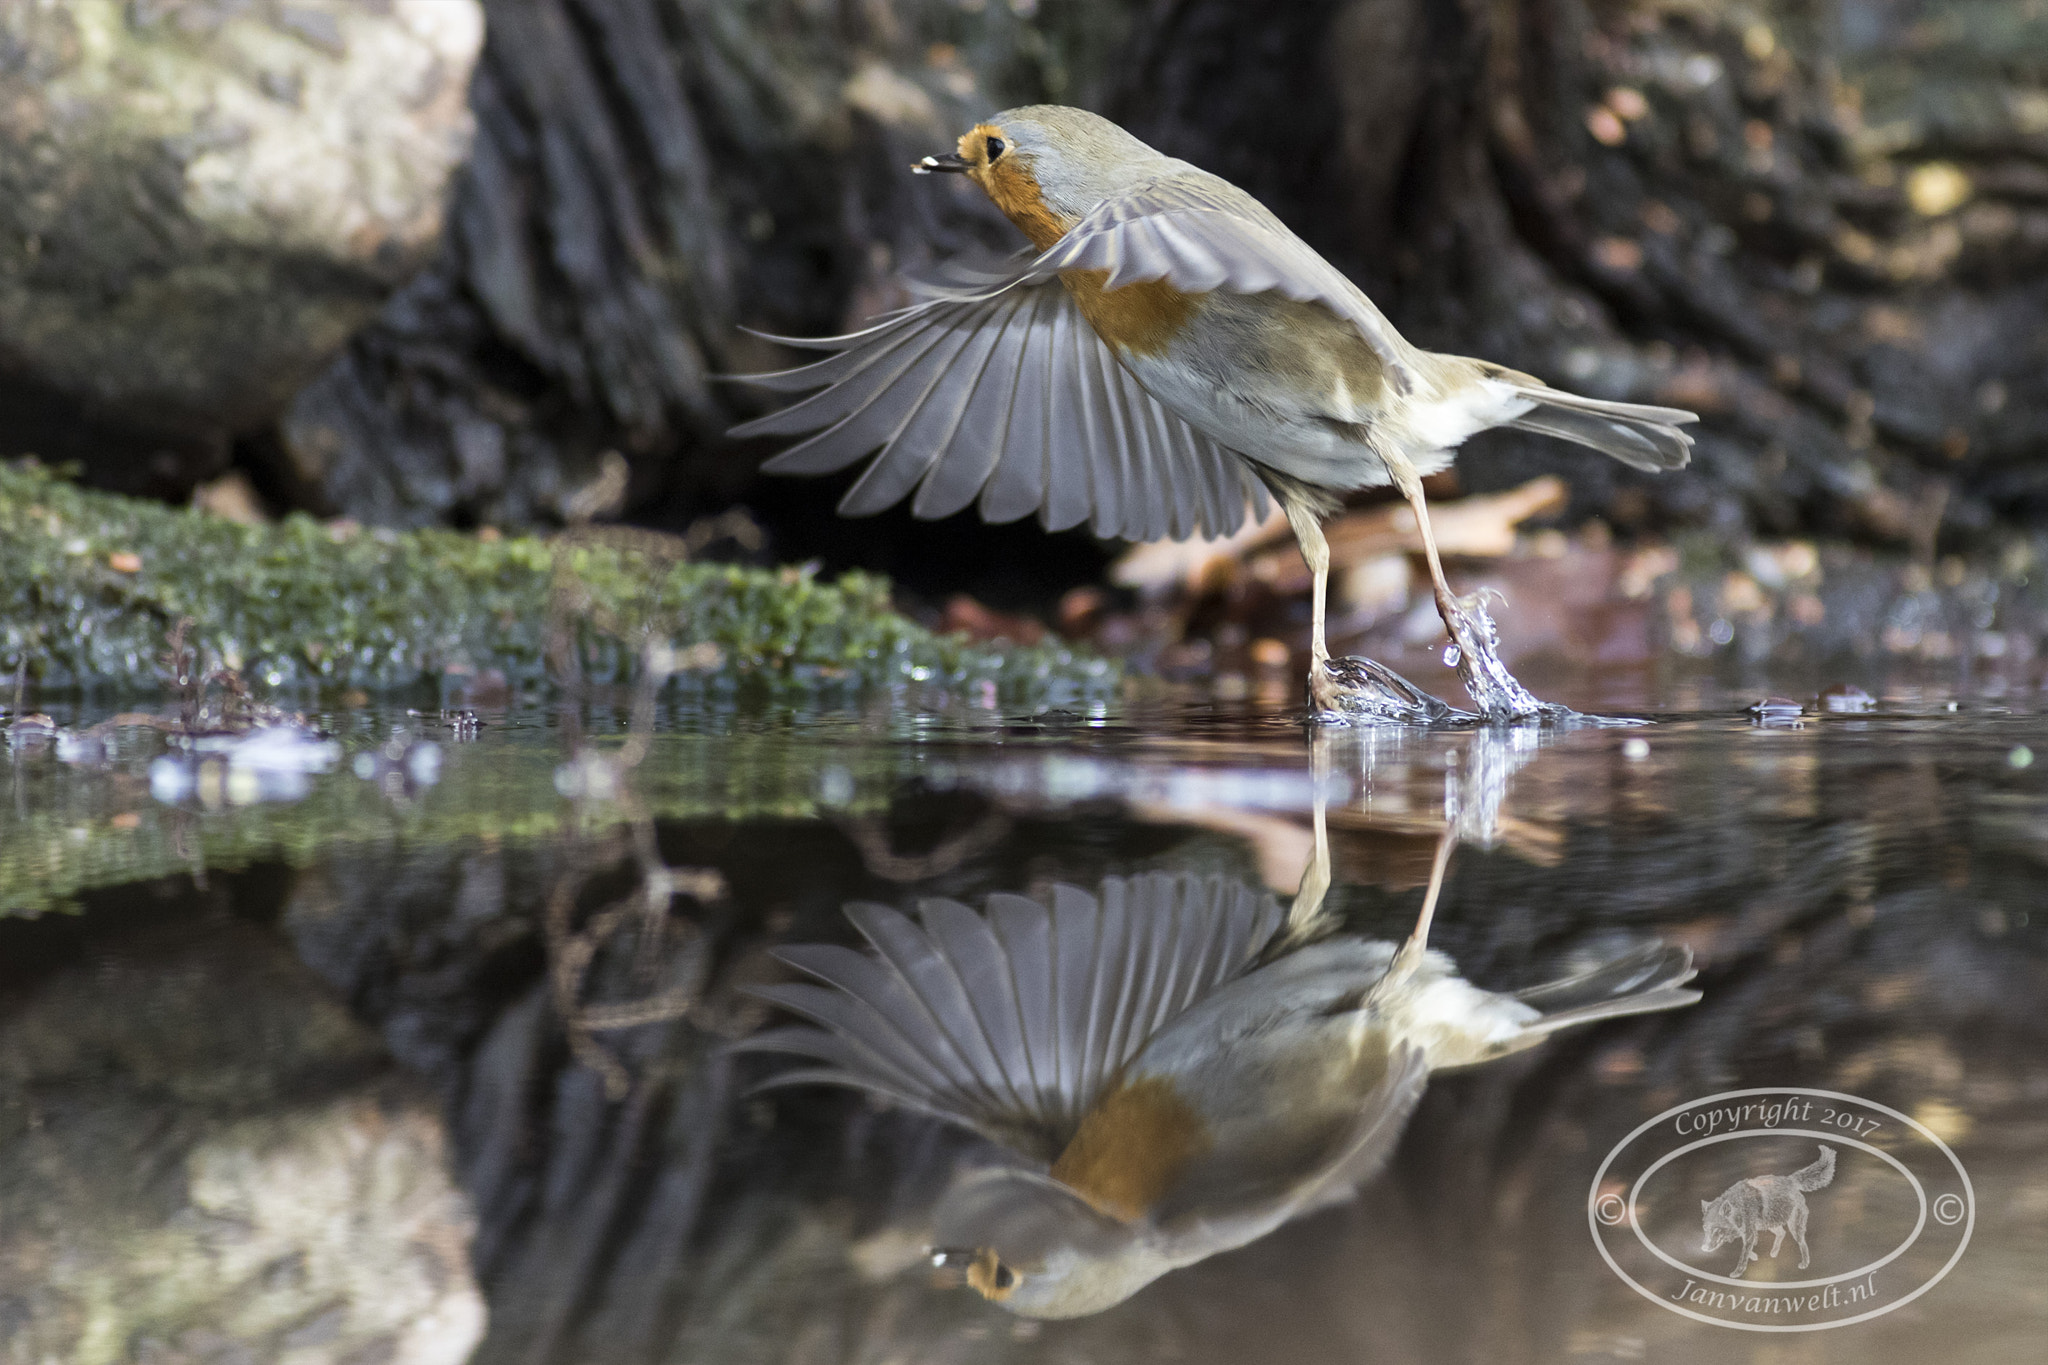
(90, 583)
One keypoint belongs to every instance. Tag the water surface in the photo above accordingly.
(504, 980)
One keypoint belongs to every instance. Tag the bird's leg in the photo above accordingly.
(1410, 956)
(1499, 694)
(1448, 604)
(1315, 552)
(1349, 688)
(1305, 917)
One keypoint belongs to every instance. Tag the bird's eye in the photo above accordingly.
(996, 147)
(1004, 1278)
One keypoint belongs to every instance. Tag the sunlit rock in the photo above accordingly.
(203, 1157)
(201, 200)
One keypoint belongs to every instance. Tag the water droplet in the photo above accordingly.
(1635, 749)
(2020, 757)
(1451, 656)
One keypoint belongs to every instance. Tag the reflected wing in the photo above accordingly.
(1004, 394)
(1012, 1022)
(1203, 233)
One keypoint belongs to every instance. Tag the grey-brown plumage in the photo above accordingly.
(1011, 1023)
(1172, 1075)
(1006, 398)
(1169, 352)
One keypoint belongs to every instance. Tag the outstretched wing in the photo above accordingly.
(1203, 233)
(1013, 1022)
(1005, 394)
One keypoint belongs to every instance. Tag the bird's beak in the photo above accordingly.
(950, 164)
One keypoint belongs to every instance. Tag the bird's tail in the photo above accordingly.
(1649, 979)
(1634, 433)
(1817, 1175)
(1462, 1025)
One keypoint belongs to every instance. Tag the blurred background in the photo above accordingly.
(435, 262)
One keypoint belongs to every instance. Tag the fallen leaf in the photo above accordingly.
(1158, 565)
(1478, 527)
(965, 616)
(1606, 126)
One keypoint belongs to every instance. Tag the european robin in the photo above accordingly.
(1167, 352)
(1172, 1075)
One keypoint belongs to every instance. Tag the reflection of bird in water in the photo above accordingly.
(1172, 1078)
(1168, 351)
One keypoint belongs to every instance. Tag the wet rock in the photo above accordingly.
(1776, 713)
(203, 1158)
(1846, 698)
(200, 201)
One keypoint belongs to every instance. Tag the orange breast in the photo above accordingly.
(1142, 318)
(1131, 1148)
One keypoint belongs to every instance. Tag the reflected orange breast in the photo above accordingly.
(1132, 1147)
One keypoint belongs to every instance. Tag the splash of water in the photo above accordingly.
(1476, 644)
(1366, 689)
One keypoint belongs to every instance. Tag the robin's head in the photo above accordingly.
(1038, 1249)
(1046, 165)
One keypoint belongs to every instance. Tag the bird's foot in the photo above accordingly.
(1354, 690)
(1475, 652)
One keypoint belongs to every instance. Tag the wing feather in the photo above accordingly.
(1017, 487)
(1109, 436)
(1211, 235)
(1006, 397)
(1025, 928)
(1013, 1023)
(927, 434)
(1098, 1056)
(953, 1025)
(1068, 478)
(1077, 940)
(854, 378)
(978, 959)
(880, 414)
(984, 426)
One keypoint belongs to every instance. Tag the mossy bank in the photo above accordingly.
(91, 584)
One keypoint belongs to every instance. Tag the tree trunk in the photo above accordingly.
(1839, 259)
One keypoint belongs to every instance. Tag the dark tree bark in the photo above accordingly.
(649, 175)
(1652, 201)
(1641, 200)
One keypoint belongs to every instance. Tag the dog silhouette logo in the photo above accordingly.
(1765, 1203)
